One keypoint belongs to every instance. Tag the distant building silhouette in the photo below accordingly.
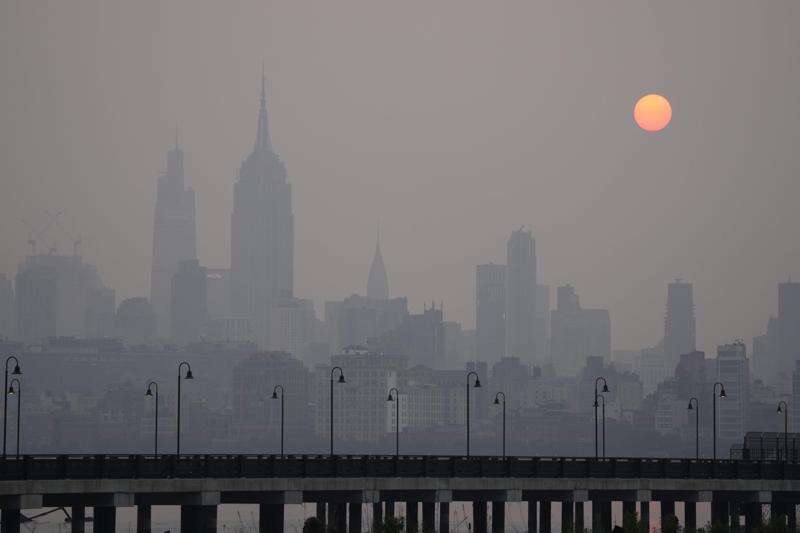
(294, 325)
(61, 296)
(135, 322)
(733, 371)
(356, 319)
(490, 311)
(679, 322)
(188, 302)
(174, 234)
(420, 337)
(521, 316)
(577, 333)
(378, 281)
(262, 232)
(6, 306)
(788, 326)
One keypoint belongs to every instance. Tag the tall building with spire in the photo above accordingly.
(262, 232)
(174, 234)
(378, 281)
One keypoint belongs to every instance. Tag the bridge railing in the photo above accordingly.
(322, 466)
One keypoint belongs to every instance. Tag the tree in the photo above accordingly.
(312, 525)
(670, 524)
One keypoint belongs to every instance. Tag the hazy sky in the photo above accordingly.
(454, 121)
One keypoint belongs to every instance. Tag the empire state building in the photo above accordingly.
(262, 233)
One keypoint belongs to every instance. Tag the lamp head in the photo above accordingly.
(274, 395)
(477, 383)
(11, 390)
(189, 374)
(690, 406)
(17, 371)
(780, 408)
(389, 398)
(596, 404)
(722, 392)
(605, 386)
(149, 392)
(341, 378)
(496, 400)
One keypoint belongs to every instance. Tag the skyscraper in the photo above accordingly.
(521, 325)
(788, 324)
(174, 234)
(262, 232)
(733, 370)
(188, 303)
(577, 333)
(490, 312)
(679, 322)
(378, 281)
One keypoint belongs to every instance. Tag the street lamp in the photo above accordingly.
(605, 389)
(150, 386)
(341, 380)
(180, 378)
(275, 397)
(477, 386)
(696, 409)
(714, 408)
(18, 393)
(497, 399)
(15, 372)
(783, 408)
(603, 402)
(396, 419)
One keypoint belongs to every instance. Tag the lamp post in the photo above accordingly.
(15, 372)
(696, 409)
(275, 397)
(180, 378)
(396, 419)
(784, 408)
(150, 386)
(497, 399)
(477, 386)
(18, 392)
(341, 380)
(714, 408)
(605, 389)
(603, 405)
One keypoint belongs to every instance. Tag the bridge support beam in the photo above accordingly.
(545, 516)
(78, 519)
(105, 520)
(354, 511)
(144, 519)
(498, 517)
(533, 522)
(412, 516)
(377, 516)
(270, 518)
(428, 517)
(689, 517)
(444, 517)
(568, 517)
(199, 518)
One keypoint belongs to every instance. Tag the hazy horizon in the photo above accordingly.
(452, 122)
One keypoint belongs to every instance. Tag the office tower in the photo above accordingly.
(521, 321)
(218, 292)
(188, 302)
(174, 234)
(262, 232)
(378, 281)
(679, 322)
(356, 319)
(542, 324)
(256, 416)
(6, 307)
(788, 329)
(59, 295)
(100, 310)
(577, 333)
(294, 325)
(135, 321)
(733, 371)
(490, 311)
(420, 337)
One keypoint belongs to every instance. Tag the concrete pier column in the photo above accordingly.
(270, 518)
(428, 517)
(144, 519)
(412, 516)
(322, 515)
(644, 515)
(105, 520)
(498, 517)
(78, 519)
(10, 520)
(377, 516)
(355, 517)
(196, 518)
(689, 517)
(533, 521)
(479, 516)
(444, 517)
(567, 517)
(545, 516)
(580, 521)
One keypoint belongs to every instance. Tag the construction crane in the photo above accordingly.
(75, 240)
(34, 234)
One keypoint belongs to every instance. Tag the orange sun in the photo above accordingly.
(652, 112)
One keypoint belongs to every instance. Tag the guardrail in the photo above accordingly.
(44, 467)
